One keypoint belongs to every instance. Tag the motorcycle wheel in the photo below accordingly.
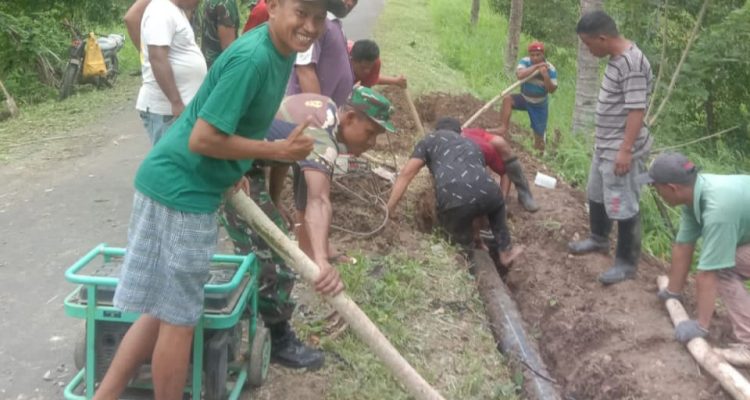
(69, 79)
(114, 71)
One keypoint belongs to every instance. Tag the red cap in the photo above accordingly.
(536, 46)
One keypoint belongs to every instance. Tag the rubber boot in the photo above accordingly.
(628, 252)
(515, 173)
(287, 350)
(539, 144)
(600, 225)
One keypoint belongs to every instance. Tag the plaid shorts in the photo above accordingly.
(619, 194)
(166, 263)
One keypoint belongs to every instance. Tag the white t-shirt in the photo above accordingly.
(165, 24)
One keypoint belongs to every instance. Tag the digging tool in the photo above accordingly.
(414, 113)
(496, 98)
(360, 323)
(729, 378)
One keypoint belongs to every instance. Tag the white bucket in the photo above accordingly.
(545, 181)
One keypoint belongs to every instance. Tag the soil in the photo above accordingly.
(598, 342)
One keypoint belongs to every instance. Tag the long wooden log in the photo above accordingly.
(730, 379)
(360, 323)
(495, 99)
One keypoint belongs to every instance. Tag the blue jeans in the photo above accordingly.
(156, 124)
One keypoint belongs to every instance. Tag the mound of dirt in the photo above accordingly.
(599, 342)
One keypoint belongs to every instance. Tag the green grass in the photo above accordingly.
(52, 119)
(430, 311)
(407, 35)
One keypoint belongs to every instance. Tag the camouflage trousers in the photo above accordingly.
(276, 278)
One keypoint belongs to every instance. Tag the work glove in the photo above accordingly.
(689, 330)
(665, 295)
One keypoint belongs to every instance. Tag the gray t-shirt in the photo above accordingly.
(458, 167)
(626, 86)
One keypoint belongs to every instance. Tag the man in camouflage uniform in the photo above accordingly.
(219, 21)
(351, 128)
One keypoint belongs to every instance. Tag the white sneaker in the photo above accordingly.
(736, 354)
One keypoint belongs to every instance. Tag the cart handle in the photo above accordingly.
(71, 274)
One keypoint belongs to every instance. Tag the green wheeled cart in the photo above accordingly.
(231, 347)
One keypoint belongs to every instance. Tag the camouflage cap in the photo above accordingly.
(374, 105)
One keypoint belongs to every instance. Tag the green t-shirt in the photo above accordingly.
(240, 95)
(720, 215)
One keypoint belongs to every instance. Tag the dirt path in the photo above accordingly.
(60, 201)
(599, 342)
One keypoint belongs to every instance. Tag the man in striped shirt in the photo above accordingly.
(622, 145)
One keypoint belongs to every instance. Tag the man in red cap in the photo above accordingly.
(533, 96)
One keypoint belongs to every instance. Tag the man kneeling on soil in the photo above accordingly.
(464, 189)
(498, 156)
(351, 128)
(716, 208)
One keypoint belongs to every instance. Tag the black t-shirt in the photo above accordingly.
(459, 170)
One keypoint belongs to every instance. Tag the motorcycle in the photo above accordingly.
(110, 46)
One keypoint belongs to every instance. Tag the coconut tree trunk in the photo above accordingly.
(587, 80)
(474, 12)
(514, 34)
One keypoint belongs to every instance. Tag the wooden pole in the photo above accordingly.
(414, 113)
(495, 99)
(360, 323)
(729, 378)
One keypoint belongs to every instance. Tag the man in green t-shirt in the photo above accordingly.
(350, 128)
(179, 186)
(715, 208)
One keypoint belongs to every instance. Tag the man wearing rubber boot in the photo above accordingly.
(276, 278)
(499, 158)
(715, 208)
(353, 128)
(622, 144)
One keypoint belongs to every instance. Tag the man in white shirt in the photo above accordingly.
(172, 65)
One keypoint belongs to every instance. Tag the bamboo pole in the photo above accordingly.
(414, 113)
(358, 320)
(730, 379)
(496, 98)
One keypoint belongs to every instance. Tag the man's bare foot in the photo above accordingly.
(507, 257)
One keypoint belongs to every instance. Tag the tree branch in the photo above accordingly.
(691, 39)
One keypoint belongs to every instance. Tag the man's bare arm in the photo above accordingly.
(207, 140)
(227, 35)
(307, 78)
(132, 20)
(158, 56)
(407, 174)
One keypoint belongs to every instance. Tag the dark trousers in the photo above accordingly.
(457, 222)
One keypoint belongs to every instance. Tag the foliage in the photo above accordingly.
(34, 42)
(551, 20)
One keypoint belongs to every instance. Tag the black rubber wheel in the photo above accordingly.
(260, 357)
(70, 76)
(113, 71)
(216, 367)
(79, 350)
